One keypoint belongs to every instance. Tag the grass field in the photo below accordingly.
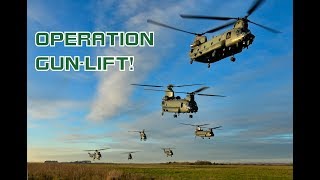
(66, 171)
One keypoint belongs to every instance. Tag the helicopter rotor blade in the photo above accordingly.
(164, 25)
(103, 149)
(254, 6)
(129, 152)
(194, 124)
(186, 85)
(182, 92)
(216, 127)
(134, 151)
(200, 89)
(265, 27)
(220, 27)
(146, 85)
(206, 17)
(187, 124)
(194, 92)
(210, 95)
(157, 90)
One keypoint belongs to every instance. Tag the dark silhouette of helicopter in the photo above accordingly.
(97, 154)
(130, 154)
(168, 151)
(143, 135)
(224, 45)
(175, 104)
(202, 133)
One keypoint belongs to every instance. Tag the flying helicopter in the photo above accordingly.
(130, 154)
(96, 154)
(143, 135)
(202, 133)
(226, 44)
(168, 151)
(175, 104)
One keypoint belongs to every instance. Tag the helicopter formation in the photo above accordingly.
(203, 50)
(224, 45)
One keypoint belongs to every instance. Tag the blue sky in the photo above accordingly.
(69, 112)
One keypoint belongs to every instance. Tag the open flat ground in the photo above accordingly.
(165, 171)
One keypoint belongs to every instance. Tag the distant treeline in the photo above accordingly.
(49, 161)
(198, 162)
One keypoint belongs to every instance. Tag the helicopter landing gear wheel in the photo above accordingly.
(208, 65)
(162, 113)
(191, 61)
(233, 59)
(190, 116)
(175, 116)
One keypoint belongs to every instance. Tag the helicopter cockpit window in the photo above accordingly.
(228, 35)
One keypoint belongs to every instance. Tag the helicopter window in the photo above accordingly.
(211, 43)
(228, 35)
(238, 32)
(191, 50)
(181, 104)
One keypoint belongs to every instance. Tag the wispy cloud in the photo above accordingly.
(37, 13)
(114, 87)
(50, 109)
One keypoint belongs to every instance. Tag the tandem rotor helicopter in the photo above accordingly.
(226, 44)
(143, 135)
(175, 104)
(202, 133)
(168, 151)
(129, 154)
(96, 154)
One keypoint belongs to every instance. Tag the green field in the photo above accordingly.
(156, 171)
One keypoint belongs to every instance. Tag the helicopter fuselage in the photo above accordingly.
(129, 156)
(179, 106)
(168, 152)
(204, 133)
(95, 155)
(224, 45)
(143, 136)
